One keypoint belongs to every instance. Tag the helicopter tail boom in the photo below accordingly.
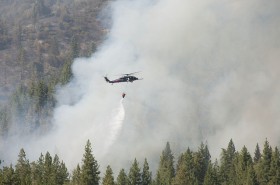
(107, 80)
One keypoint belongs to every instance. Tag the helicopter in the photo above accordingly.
(125, 78)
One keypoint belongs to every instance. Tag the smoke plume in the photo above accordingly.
(211, 73)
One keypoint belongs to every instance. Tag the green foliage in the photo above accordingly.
(201, 162)
(8, 175)
(166, 169)
(134, 175)
(122, 178)
(23, 169)
(227, 163)
(185, 173)
(76, 178)
(263, 171)
(212, 174)
(66, 73)
(146, 174)
(257, 153)
(48, 170)
(108, 178)
(274, 173)
(89, 171)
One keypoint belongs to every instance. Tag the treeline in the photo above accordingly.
(191, 168)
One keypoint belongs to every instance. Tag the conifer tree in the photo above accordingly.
(108, 178)
(257, 153)
(243, 164)
(263, 171)
(146, 174)
(274, 176)
(212, 174)
(227, 163)
(59, 173)
(134, 175)
(76, 179)
(89, 169)
(181, 172)
(166, 171)
(8, 176)
(38, 170)
(23, 169)
(201, 161)
(251, 176)
(122, 178)
(47, 173)
(185, 174)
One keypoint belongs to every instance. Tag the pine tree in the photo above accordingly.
(251, 178)
(47, 173)
(134, 175)
(185, 174)
(23, 169)
(122, 178)
(166, 171)
(38, 170)
(227, 163)
(146, 174)
(89, 171)
(212, 174)
(59, 173)
(265, 163)
(201, 161)
(243, 164)
(274, 174)
(76, 179)
(8, 176)
(181, 172)
(108, 178)
(257, 153)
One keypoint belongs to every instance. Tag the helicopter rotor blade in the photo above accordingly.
(131, 73)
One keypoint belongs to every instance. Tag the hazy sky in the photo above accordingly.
(211, 73)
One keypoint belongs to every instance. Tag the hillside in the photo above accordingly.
(36, 35)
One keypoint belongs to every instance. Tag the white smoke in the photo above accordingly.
(211, 73)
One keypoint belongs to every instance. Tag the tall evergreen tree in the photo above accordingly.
(166, 171)
(134, 175)
(274, 176)
(185, 174)
(257, 153)
(227, 163)
(146, 174)
(8, 176)
(23, 169)
(47, 173)
(263, 171)
(108, 178)
(38, 170)
(59, 173)
(76, 178)
(242, 165)
(90, 168)
(201, 161)
(251, 176)
(122, 178)
(212, 174)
